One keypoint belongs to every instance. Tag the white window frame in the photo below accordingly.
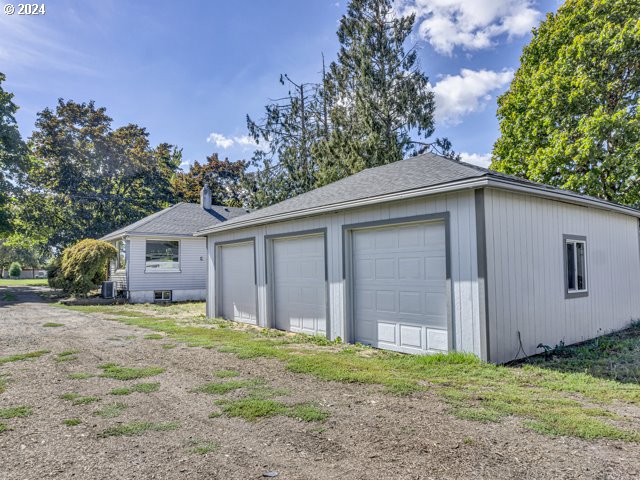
(162, 270)
(165, 295)
(575, 292)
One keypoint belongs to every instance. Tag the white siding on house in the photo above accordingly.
(525, 273)
(193, 268)
(462, 230)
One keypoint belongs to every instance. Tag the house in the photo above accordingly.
(159, 259)
(431, 255)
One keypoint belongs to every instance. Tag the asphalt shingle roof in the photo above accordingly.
(179, 219)
(421, 171)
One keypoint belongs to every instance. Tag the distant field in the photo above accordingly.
(25, 282)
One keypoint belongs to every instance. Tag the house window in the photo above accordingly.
(575, 266)
(162, 295)
(162, 255)
(121, 259)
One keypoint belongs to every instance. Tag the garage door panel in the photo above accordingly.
(237, 290)
(299, 284)
(403, 296)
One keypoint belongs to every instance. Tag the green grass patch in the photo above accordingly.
(22, 356)
(550, 400)
(308, 413)
(80, 376)
(67, 356)
(202, 447)
(222, 388)
(52, 325)
(14, 412)
(24, 282)
(615, 357)
(251, 409)
(3, 427)
(77, 399)
(137, 428)
(111, 370)
(168, 346)
(138, 388)
(71, 422)
(3, 383)
(226, 373)
(111, 410)
(9, 297)
(153, 336)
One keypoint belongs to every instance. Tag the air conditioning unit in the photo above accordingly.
(108, 289)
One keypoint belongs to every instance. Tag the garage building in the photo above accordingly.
(431, 255)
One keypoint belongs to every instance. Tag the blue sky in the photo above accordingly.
(191, 71)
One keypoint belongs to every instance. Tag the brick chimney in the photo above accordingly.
(205, 197)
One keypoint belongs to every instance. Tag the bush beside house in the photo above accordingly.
(82, 267)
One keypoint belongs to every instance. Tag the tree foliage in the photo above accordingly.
(286, 162)
(570, 117)
(15, 269)
(12, 154)
(87, 179)
(380, 104)
(83, 266)
(224, 178)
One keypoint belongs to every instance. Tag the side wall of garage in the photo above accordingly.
(527, 300)
(464, 297)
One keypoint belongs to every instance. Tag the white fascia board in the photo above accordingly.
(562, 196)
(476, 182)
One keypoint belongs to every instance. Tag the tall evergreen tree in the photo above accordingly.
(381, 106)
(570, 117)
(12, 154)
(291, 127)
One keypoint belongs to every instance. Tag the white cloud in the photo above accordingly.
(470, 24)
(460, 95)
(220, 140)
(243, 141)
(480, 159)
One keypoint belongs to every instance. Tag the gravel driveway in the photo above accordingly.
(368, 434)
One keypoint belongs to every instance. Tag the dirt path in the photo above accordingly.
(369, 434)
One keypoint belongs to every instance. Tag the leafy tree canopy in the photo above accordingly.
(12, 154)
(224, 178)
(570, 117)
(87, 179)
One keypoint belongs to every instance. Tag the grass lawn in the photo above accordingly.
(29, 282)
(548, 396)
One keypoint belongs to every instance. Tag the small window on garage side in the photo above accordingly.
(575, 266)
(162, 256)
(162, 295)
(121, 259)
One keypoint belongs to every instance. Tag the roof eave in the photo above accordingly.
(474, 182)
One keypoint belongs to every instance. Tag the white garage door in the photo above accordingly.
(399, 287)
(299, 288)
(236, 288)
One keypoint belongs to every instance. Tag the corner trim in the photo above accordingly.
(483, 289)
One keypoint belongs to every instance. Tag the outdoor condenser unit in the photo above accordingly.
(108, 289)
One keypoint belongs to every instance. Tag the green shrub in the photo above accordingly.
(15, 270)
(83, 266)
(55, 279)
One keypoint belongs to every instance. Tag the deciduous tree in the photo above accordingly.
(570, 117)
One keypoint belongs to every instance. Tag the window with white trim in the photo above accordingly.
(575, 267)
(162, 295)
(162, 255)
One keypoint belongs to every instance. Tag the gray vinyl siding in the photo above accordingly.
(461, 209)
(525, 272)
(193, 271)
